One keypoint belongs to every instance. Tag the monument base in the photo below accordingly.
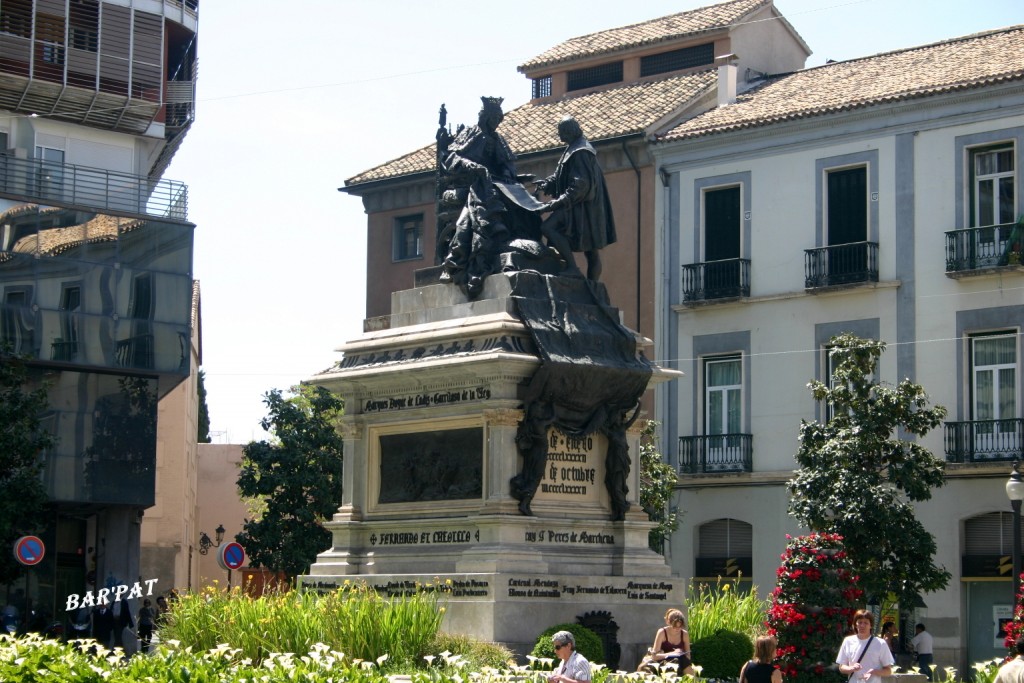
(436, 396)
(512, 608)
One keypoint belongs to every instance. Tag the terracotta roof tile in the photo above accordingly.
(961, 63)
(674, 26)
(626, 110)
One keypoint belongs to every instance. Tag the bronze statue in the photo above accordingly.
(581, 218)
(477, 178)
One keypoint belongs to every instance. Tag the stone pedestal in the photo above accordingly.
(432, 405)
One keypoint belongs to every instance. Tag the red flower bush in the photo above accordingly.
(1015, 628)
(811, 607)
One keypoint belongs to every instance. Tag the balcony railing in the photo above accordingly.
(96, 189)
(63, 350)
(985, 440)
(841, 264)
(717, 453)
(135, 352)
(723, 279)
(979, 248)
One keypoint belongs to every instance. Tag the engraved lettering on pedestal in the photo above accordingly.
(574, 470)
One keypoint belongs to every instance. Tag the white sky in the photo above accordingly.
(295, 98)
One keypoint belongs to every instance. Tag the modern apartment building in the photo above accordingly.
(96, 285)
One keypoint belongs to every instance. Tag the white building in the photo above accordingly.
(874, 196)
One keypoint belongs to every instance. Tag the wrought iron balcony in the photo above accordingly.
(723, 279)
(63, 350)
(985, 440)
(841, 264)
(978, 249)
(717, 453)
(93, 189)
(135, 352)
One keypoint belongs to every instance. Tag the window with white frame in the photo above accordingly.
(829, 364)
(49, 171)
(993, 182)
(994, 376)
(723, 395)
(408, 238)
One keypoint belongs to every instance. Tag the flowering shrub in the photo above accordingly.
(811, 607)
(1015, 628)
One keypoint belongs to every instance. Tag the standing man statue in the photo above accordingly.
(581, 213)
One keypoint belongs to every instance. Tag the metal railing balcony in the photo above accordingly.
(985, 440)
(716, 453)
(723, 279)
(841, 264)
(979, 248)
(94, 189)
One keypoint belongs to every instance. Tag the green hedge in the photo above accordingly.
(588, 643)
(722, 654)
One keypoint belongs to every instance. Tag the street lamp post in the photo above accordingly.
(205, 543)
(1015, 492)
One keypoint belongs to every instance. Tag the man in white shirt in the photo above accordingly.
(1013, 670)
(862, 657)
(922, 644)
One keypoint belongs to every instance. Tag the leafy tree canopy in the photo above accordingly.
(298, 478)
(22, 494)
(203, 431)
(657, 481)
(858, 478)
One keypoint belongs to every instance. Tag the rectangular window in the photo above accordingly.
(66, 347)
(408, 238)
(847, 205)
(684, 58)
(49, 171)
(994, 361)
(542, 87)
(995, 410)
(723, 393)
(595, 76)
(83, 25)
(16, 17)
(993, 178)
(17, 326)
(50, 38)
(722, 224)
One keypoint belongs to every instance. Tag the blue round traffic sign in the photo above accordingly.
(231, 556)
(29, 550)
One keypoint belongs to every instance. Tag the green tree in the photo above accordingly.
(657, 482)
(298, 478)
(23, 499)
(203, 435)
(857, 478)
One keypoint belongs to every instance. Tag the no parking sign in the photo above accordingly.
(231, 556)
(29, 550)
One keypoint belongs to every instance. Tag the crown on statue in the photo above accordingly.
(492, 102)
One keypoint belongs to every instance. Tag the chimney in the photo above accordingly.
(726, 79)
